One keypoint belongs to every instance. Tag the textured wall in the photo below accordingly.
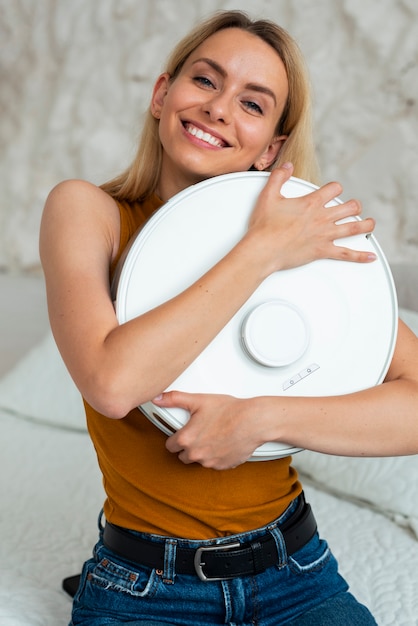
(76, 76)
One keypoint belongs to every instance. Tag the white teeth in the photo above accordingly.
(196, 132)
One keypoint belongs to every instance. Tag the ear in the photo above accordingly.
(270, 154)
(158, 94)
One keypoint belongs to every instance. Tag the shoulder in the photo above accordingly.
(78, 201)
(77, 209)
(79, 193)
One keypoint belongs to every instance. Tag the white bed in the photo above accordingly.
(51, 490)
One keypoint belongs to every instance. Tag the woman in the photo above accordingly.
(193, 534)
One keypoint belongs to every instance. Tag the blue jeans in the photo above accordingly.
(304, 589)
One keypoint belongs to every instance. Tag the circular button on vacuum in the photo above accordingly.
(275, 333)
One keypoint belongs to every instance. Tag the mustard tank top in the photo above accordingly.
(149, 490)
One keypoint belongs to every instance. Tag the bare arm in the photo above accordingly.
(381, 421)
(110, 363)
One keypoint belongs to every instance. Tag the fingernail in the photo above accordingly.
(288, 165)
(371, 256)
(160, 397)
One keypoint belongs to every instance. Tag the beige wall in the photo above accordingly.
(75, 77)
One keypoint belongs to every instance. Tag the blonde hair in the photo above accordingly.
(141, 178)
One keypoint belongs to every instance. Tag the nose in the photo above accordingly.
(219, 108)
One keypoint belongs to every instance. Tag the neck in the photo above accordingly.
(169, 185)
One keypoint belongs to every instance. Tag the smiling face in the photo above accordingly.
(220, 113)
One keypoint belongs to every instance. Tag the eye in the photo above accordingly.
(203, 81)
(253, 107)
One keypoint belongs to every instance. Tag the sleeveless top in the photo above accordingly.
(149, 490)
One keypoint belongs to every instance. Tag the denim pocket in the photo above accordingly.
(313, 557)
(115, 576)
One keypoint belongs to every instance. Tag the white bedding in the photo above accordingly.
(51, 494)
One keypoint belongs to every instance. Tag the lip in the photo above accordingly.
(209, 131)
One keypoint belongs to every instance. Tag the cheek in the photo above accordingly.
(165, 127)
(257, 141)
(169, 118)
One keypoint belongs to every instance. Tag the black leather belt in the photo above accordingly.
(218, 561)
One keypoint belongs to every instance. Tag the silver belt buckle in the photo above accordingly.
(199, 563)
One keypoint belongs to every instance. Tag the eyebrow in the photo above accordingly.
(252, 86)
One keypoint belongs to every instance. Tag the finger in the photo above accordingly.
(183, 457)
(355, 256)
(326, 193)
(354, 227)
(172, 444)
(351, 208)
(177, 399)
(340, 252)
(280, 175)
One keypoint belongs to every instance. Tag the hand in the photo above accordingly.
(296, 231)
(222, 431)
